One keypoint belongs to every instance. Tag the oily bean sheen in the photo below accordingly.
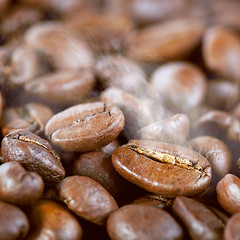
(143, 222)
(13, 222)
(34, 154)
(19, 186)
(162, 168)
(85, 127)
(87, 198)
(200, 221)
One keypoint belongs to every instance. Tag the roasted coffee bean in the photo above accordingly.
(232, 231)
(18, 186)
(120, 72)
(62, 87)
(181, 84)
(222, 43)
(31, 116)
(222, 94)
(98, 166)
(34, 154)
(87, 198)
(228, 193)
(216, 152)
(174, 130)
(47, 38)
(51, 220)
(139, 221)
(167, 40)
(111, 147)
(13, 222)
(224, 218)
(199, 220)
(162, 168)
(85, 127)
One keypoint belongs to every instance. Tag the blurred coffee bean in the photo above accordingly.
(139, 221)
(224, 218)
(232, 231)
(98, 166)
(13, 222)
(87, 198)
(123, 73)
(85, 127)
(221, 51)
(50, 220)
(137, 113)
(34, 154)
(162, 168)
(216, 152)
(222, 94)
(199, 220)
(19, 186)
(61, 87)
(181, 84)
(111, 147)
(3, 5)
(49, 37)
(31, 116)
(166, 40)
(228, 193)
(174, 130)
(104, 32)
(18, 19)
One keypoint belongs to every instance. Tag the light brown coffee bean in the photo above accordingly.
(162, 168)
(50, 220)
(228, 193)
(167, 40)
(174, 130)
(85, 127)
(87, 198)
(144, 222)
(18, 186)
(221, 51)
(232, 231)
(62, 87)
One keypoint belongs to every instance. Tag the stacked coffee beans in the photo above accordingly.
(120, 119)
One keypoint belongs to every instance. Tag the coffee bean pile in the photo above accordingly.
(120, 119)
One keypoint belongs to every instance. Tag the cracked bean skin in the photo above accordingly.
(163, 168)
(85, 127)
(34, 154)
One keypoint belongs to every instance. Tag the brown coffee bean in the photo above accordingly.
(123, 73)
(221, 51)
(137, 113)
(13, 222)
(98, 166)
(51, 220)
(181, 84)
(199, 220)
(224, 218)
(48, 38)
(87, 198)
(19, 186)
(85, 127)
(3, 5)
(232, 231)
(144, 222)
(216, 152)
(62, 87)
(174, 130)
(111, 147)
(34, 154)
(31, 116)
(228, 193)
(167, 40)
(222, 94)
(162, 168)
